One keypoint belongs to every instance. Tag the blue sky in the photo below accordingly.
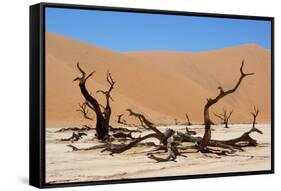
(124, 32)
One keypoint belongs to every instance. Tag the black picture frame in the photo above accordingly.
(37, 94)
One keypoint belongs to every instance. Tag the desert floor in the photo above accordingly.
(63, 165)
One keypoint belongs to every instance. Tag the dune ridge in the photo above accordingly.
(163, 85)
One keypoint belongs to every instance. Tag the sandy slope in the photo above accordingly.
(164, 85)
(62, 165)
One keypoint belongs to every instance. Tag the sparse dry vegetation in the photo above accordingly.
(120, 139)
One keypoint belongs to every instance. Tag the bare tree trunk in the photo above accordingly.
(102, 118)
(188, 121)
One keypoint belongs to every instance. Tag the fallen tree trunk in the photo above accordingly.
(115, 148)
(75, 137)
(172, 152)
(84, 128)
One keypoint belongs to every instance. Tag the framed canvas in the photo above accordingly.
(123, 95)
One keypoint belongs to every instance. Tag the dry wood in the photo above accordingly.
(224, 117)
(212, 101)
(169, 141)
(83, 109)
(121, 121)
(172, 152)
(84, 128)
(188, 121)
(102, 117)
(75, 137)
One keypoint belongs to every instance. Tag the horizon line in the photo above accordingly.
(158, 50)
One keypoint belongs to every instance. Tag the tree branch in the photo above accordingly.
(83, 109)
(91, 102)
(212, 101)
(148, 124)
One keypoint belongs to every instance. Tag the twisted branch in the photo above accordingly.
(212, 101)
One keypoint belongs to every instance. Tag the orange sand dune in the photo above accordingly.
(164, 85)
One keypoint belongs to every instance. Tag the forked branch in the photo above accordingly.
(84, 77)
(148, 124)
(111, 83)
(224, 117)
(255, 114)
(92, 103)
(83, 109)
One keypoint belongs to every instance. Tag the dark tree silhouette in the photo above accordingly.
(255, 113)
(121, 121)
(190, 132)
(83, 109)
(212, 101)
(225, 116)
(188, 121)
(168, 140)
(102, 113)
(84, 128)
(75, 137)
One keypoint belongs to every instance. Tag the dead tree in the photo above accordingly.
(255, 113)
(107, 108)
(170, 141)
(176, 122)
(163, 137)
(188, 131)
(212, 101)
(245, 139)
(224, 117)
(121, 121)
(188, 121)
(232, 144)
(166, 139)
(102, 117)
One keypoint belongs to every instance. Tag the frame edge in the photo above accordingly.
(35, 162)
